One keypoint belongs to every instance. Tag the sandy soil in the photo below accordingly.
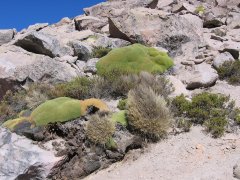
(187, 156)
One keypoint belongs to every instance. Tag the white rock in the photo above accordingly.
(18, 153)
(202, 75)
(6, 35)
(222, 58)
(178, 87)
(236, 170)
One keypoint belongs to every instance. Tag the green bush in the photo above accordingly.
(100, 129)
(122, 104)
(216, 126)
(56, 110)
(180, 105)
(210, 110)
(148, 113)
(99, 51)
(236, 117)
(184, 124)
(200, 9)
(230, 71)
(120, 117)
(134, 59)
(79, 88)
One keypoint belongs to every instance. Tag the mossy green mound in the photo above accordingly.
(133, 59)
(120, 117)
(57, 110)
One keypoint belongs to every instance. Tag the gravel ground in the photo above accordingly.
(187, 156)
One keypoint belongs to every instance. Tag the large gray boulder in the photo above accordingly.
(41, 43)
(18, 153)
(222, 58)
(102, 10)
(202, 75)
(6, 35)
(89, 22)
(18, 66)
(153, 27)
(82, 50)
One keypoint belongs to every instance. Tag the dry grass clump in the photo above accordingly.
(148, 112)
(100, 129)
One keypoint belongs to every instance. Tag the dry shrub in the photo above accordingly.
(100, 129)
(116, 85)
(148, 112)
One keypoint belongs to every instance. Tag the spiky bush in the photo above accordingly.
(100, 129)
(148, 112)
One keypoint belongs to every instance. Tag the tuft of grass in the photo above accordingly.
(79, 88)
(134, 59)
(230, 71)
(111, 144)
(99, 51)
(100, 129)
(148, 113)
(122, 104)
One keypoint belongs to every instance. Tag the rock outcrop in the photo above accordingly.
(18, 153)
(6, 35)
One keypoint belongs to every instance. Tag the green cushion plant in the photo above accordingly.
(57, 110)
(120, 117)
(134, 59)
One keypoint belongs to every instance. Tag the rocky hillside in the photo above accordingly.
(78, 95)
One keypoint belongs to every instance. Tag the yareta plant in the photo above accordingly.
(134, 59)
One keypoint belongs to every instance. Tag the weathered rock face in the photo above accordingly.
(6, 35)
(154, 28)
(201, 75)
(222, 58)
(88, 22)
(45, 44)
(82, 50)
(102, 10)
(18, 66)
(236, 170)
(18, 154)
